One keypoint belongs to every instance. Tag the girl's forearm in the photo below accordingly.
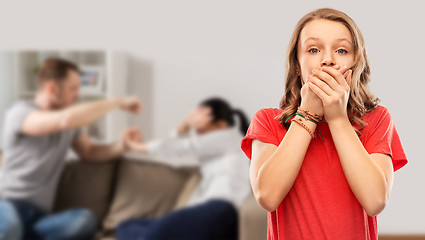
(366, 178)
(274, 176)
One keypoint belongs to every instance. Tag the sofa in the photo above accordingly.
(129, 187)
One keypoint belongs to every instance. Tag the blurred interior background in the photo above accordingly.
(173, 54)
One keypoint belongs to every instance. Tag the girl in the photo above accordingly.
(322, 165)
(209, 137)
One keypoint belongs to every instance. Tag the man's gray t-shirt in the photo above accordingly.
(32, 165)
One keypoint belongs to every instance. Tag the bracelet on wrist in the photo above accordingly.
(307, 117)
(315, 118)
(299, 121)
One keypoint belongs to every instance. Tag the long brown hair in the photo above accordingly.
(360, 100)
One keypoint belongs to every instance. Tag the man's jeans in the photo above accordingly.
(19, 220)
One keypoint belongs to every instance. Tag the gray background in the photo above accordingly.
(183, 51)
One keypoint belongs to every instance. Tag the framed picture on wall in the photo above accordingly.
(91, 80)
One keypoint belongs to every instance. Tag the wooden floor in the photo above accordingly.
(401, 237)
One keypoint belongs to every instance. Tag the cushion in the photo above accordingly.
(86, 185)
(144, 189)
(186, 192)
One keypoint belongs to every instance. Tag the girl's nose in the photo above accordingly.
(327, 61)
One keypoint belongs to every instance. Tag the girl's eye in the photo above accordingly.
(341, 51)
(313, 50)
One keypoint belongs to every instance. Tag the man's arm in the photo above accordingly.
(89, 151)
(39, 123)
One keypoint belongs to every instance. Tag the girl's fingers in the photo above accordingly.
(319, 92)
(321, 84)
(345, 74)
(349, 75)
(327, 78)
(337, 75)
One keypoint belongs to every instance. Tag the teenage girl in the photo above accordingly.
(322, 164)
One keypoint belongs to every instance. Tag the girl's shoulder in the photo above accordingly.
(268, 112)
(268, 118)
(376, 115)
(268, 115)
(264, 127)
(376, 120)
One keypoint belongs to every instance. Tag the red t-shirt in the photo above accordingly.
(320, 204)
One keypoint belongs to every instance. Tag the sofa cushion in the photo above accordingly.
(86, 185)
(144, 189)
(188, 188)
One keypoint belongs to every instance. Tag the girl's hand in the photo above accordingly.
(310, 101)
(332, 86)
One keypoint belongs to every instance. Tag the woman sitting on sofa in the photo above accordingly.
(208, 137)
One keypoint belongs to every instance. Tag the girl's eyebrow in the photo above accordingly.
(344, 40)
(336, 40)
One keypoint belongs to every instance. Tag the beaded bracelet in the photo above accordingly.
(304, 126)
(315, 118)
(307, 117)
(312, 117)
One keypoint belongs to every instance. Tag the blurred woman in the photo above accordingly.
(208, 137)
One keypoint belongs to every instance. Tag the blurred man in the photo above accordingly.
(37, 135)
